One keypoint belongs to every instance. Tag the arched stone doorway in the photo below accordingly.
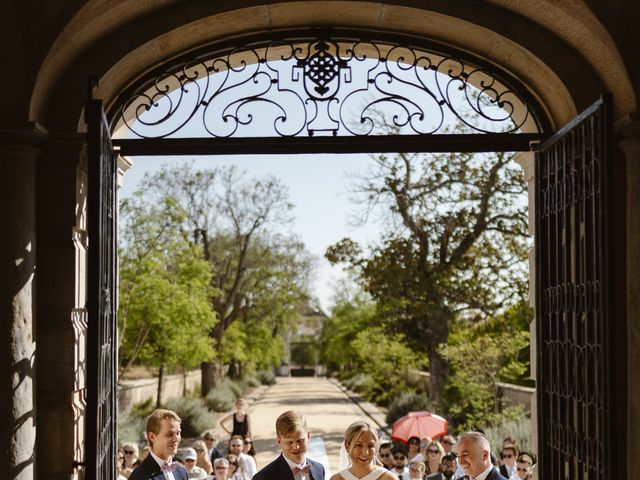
(487, 33)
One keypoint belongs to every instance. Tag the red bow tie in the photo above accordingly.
(305, 469)
(169, 467)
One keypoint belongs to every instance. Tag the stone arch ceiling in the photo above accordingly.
(550, 48)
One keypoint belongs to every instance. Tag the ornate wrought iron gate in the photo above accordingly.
(102, 339)
(572, 291)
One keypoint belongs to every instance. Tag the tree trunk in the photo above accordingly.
(184, 382)
(438, 366)
(212, 375)
(160, 385)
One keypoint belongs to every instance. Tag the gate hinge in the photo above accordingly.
(77, 464)
(534, 145)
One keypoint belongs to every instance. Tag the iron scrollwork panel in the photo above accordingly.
(102, 355)
(321, 86)
(572, 318)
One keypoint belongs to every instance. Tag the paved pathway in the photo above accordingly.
(327, 409)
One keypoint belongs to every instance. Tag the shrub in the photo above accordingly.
(196, 418)
(143, 409)
(514, 422)
(360, 383)
(266, 377)
(131, 427)
(251, 381)
(405, 403)
(220, 399)
(233, 386)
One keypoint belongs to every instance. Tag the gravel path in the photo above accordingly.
(327, 409)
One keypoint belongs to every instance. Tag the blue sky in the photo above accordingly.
(318, 187)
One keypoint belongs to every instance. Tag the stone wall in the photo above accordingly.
(513, 394)
(131, 392)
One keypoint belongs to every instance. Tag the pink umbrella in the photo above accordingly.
(418, 424)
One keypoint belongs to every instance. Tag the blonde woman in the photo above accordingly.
(131, 454)
(202, 453)
(435, 452)
(361, 443)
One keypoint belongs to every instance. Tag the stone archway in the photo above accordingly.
(106, 42)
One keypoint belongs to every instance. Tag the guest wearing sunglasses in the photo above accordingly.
(435, 452)
(130, 458)
(414, 450)
(220, 469)
(400, 463)
(508, 456)
(203, 460)
(385, 456)
(524, 466)
(248, 449)
(448, 441)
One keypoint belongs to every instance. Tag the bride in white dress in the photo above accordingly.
(361, 443)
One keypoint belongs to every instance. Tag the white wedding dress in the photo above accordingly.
(347, 475)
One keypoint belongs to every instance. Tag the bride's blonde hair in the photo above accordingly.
(353, 432)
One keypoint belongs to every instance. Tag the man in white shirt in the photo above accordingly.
(474, 454)
(235, 446)
(164, 434)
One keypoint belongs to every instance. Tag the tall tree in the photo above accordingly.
(165, 311)
(233, 219)
(455, 245)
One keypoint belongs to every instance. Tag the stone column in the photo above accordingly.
(630, 145)
(19, 152)
(62, 316)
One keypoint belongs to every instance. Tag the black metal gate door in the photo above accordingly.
(100, 448)
(572, 298)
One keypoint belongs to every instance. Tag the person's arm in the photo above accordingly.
(226, 419)
(248, 420)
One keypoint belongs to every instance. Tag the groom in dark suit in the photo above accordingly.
(292, 464)
(474, 453)
(164, 435)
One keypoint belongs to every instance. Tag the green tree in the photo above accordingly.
(165, 289)
(480, 356)
(455, 245)
(257, 274)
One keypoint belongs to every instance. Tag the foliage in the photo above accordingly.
(353, 340)
(455, 246)
(143, 409)
(266, 377)
(405, 403)
(480, 356)
(349, 317)
(220, 399)
(165, 311)
(359, 383)
(196, 418)
(305, 350)
(515, 423)
(258, 276)
(131, 427)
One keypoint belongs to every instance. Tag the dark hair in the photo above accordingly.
(399, 449)
(452, 457)
(385, 445)
(413, 439)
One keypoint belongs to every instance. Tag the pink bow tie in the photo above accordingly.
(169, 467)
(304, 470)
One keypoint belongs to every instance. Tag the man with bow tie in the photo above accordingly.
(292, 464)
(474, 454)
(164, 435)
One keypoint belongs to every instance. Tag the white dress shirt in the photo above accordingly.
(484, 474)
(167, 475)
(292, 465)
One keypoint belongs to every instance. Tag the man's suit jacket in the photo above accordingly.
(150, 470)
(279, 470)
(493, 475)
